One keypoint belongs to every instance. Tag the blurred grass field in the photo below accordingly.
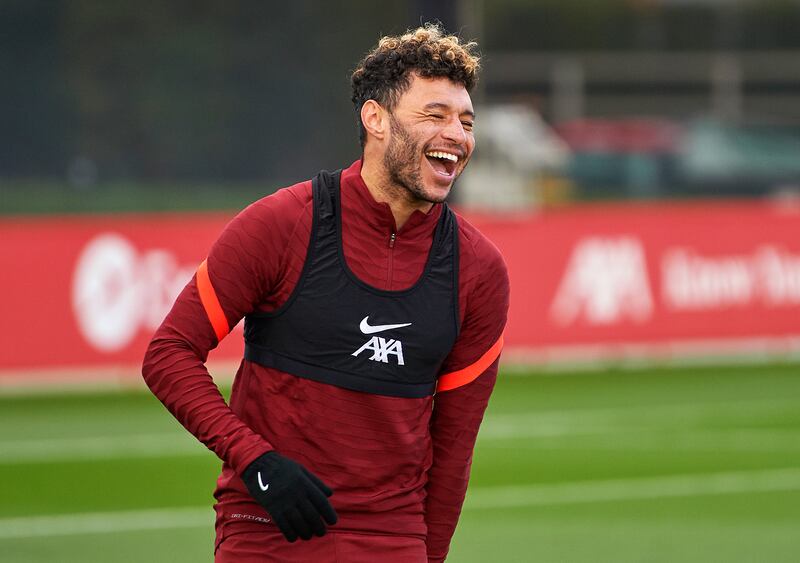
(655, 464)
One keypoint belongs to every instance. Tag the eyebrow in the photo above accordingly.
(444, 106)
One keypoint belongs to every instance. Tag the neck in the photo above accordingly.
(397, 197)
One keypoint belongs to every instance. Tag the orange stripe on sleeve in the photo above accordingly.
(210, 303)
(461, 377)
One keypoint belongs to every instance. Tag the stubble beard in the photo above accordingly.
(402, 165)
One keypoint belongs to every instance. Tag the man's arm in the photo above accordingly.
(243, 266)
(455, 421)
(174, 370)
(243, 269)
(463, 392)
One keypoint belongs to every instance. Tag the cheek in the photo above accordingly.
(470, 144)
(427, 133)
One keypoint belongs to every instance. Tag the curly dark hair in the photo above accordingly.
(385, 73)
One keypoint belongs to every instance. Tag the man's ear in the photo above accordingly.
(375, 119)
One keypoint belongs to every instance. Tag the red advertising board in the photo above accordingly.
(666, 279)
(88, 292)
(83, 292)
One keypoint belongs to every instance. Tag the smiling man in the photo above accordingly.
(373, 327)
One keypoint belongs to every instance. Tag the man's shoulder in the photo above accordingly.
(477, 251)
(296, 196)
(286, 206)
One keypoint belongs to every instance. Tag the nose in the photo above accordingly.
(454, 131)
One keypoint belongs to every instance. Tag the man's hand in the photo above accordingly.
(294, 497)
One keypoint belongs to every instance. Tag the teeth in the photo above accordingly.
(440, 154)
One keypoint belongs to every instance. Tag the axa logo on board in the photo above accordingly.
(117, 291)
(607, 281)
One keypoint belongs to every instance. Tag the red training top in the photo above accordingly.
(397, 465)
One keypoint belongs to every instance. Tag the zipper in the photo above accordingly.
(392, 239)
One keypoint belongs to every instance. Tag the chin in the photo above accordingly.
(433, 191)
(435, 194)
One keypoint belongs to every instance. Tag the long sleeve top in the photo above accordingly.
(396, 465)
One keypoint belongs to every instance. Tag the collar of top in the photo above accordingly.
(357, 200)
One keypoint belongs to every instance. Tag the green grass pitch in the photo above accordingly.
(692, 464)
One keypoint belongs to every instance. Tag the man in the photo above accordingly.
(373, 327)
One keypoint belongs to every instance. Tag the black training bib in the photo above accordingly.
(336, 329)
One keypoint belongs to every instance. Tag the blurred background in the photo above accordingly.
(638, 164)
(633, 98)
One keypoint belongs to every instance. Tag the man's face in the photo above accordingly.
(431, 138)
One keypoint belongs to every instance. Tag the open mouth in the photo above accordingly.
(443, 163)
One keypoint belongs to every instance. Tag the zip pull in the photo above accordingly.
(392, 239)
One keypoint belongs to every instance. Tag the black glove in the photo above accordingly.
(294, 497)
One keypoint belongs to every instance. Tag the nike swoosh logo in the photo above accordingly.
(261, 484)
(366, 328)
